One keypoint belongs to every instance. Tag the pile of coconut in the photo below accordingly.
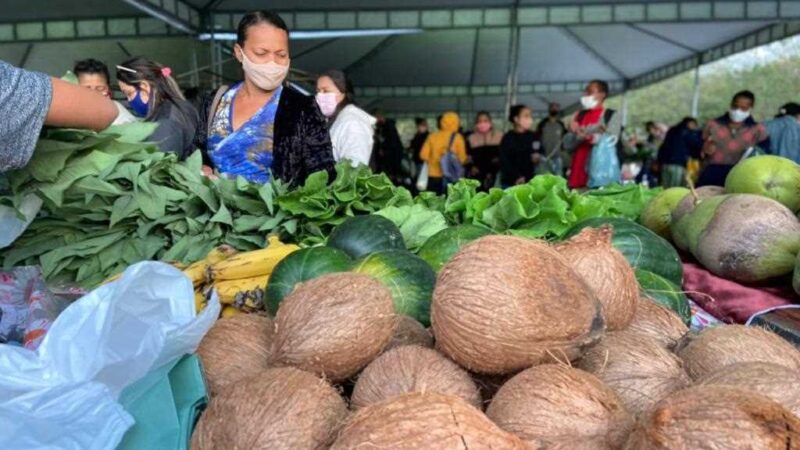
(531, 346)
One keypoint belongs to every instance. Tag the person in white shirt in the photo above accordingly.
(351, 128)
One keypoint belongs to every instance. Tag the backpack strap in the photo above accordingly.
(214, 105)
(452, 141)
(607, 115)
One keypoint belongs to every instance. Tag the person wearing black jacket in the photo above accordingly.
(388, 153)
(683, 141)
(519, 152)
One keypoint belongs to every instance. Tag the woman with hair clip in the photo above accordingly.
(154, 95)
(352, 129)
(262, 127)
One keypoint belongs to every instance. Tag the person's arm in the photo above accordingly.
(508, 164)
(355, 141)
(317, 152)
(460, 148)
(74, 106)
(425, 153)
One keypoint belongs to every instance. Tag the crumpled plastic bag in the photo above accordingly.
(604, 167)
(27, 307)
(64, 395)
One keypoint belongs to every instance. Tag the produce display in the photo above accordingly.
(657, 322)
(410, 332)
(775, 381)
(657, 215)
(769, 176)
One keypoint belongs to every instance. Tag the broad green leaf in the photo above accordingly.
(78, 168)
(132, 132)
(222, 215)
(123, 208)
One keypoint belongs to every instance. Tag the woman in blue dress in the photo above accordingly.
(261, 127)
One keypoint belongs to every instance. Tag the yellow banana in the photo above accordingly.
(252, 264)
(197, 271)
(229, 311)
(228, 291)
(199, 302)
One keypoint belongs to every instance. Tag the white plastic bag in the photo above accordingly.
(64, 395)
(422, 179)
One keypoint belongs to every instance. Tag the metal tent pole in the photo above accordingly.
(625, 108)
(513, 59)
(696, 94)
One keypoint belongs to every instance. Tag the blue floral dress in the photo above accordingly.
(246, 152)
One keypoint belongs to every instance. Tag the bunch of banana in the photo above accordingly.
(241, 279)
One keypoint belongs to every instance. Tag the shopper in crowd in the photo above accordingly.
(784, 133)
(551, 131)
(387, 157)
(519, 152)
(154, 95)
(447, 139)
(262, 127)
(30, 100)
(683, 141)
(484, 150)
(648, 153)
(93, 74)
(730, 138)
(351, 128)
(586, 129)
(419, 138)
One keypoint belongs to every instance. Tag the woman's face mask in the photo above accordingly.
(268, 76)
(139, 106)
(327, 101)
(589, 102)
(483, 127)
(738, 115)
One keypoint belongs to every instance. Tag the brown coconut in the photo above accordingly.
(716, 417)
(428, 420)
(334, 325)
(554, 406)
(606, 271)
(777, 382)
(412, 368)
(281, 408)
(410, 332)
(688, 203)
(504, 303)
(235, 348)
(488, 385)
(658, 322)
(637, 367)
(723, 345)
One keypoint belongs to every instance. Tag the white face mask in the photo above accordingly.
(327, 103)
(738, 116)
(266, 76)
(589, 102)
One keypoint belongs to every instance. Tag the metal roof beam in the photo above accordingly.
(370, 55)
(757, 38)
(662, 38)
(535, 89)
(592, 51)
(176, 13)
(85, 29)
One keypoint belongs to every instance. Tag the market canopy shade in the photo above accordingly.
(454, 54)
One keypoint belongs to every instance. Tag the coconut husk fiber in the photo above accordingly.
(716, 418)
(277, 409)
(413, 369)
(723, 345)
(504, 303)
(334, 325)
(637, 367)
(235, 348)
(410, 332)
(488, 385)
(554, 406)
(657, 322)
(777, 382)
(429, 421)
(606, 271)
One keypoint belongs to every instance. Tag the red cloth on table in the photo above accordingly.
(728, 300)
(578, 176)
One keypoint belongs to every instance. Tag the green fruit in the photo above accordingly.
(642, 248)
(657, 215)
(665, 293)
(300, 266)
(686, 231)
(409, 278)
(768, 175)
(361, 235)
(440, 247)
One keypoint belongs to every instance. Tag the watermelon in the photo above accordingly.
(664, 292)
(642, 248)
(408, 276)
(361, 235)
(303, 265)
(440, 247)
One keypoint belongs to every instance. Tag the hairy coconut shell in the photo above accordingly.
(688, 203)
(658, 322)
(488, 385)
(413, 369)
(504, 303)
(410, 332)
(429, 421)
(281, 408)
(638, 368)
(334, 325)
(235, 348)
(777, 382)
(716, 418)
(606, 271)
(554, 406)
(723, 345)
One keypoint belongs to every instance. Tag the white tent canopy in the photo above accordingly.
(461, 54)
